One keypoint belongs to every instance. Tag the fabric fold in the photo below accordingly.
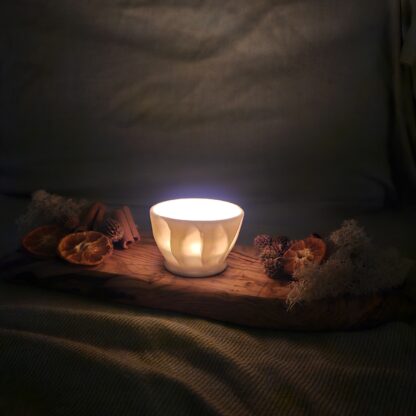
(404, 72)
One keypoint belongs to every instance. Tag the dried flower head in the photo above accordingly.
(262, 240)
(268, 253)
(273, 267)
(280, 243)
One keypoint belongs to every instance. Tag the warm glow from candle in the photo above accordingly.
(195, 248)
(195, 235)
(197, 209)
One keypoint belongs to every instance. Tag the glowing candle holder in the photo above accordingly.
(196, 235)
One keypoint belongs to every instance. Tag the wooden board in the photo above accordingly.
(242, 294)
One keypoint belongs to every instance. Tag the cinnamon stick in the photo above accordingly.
(128, 238)
(131, 222)
(87, 219)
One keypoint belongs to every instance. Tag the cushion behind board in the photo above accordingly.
(248, 101)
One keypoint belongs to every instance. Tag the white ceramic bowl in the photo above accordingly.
(195, 235)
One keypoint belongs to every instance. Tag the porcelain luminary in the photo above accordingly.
(196, 235)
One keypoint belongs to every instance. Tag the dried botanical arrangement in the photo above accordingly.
(346, 262)
(46, 208)
(77, 231)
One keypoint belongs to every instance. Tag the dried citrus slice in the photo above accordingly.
(311, 250)
(88, 248)
(42, 241)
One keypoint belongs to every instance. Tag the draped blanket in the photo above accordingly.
(64, 356)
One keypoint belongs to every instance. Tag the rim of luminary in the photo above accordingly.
(229, 209)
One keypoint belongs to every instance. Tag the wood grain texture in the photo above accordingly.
(242, 294)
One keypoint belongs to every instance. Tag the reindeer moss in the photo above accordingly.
(355, 266)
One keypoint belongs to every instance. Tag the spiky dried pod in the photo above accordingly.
(262, 240)
(112, 229)
(280, 243)
(272, 267)
(268, 253)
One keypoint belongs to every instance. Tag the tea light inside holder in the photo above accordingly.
(195, 235)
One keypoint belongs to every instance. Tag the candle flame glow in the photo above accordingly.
(197, 209)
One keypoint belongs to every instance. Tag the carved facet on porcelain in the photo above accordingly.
(195, 235)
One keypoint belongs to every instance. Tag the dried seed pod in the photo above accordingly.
(112, 229)
(280, 244)
(268, 253)
(272, 267)
(262, 240)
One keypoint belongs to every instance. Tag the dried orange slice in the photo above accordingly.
(42, 241)
(311, 250)
(88, 248)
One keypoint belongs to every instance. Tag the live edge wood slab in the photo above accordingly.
(242, 294)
